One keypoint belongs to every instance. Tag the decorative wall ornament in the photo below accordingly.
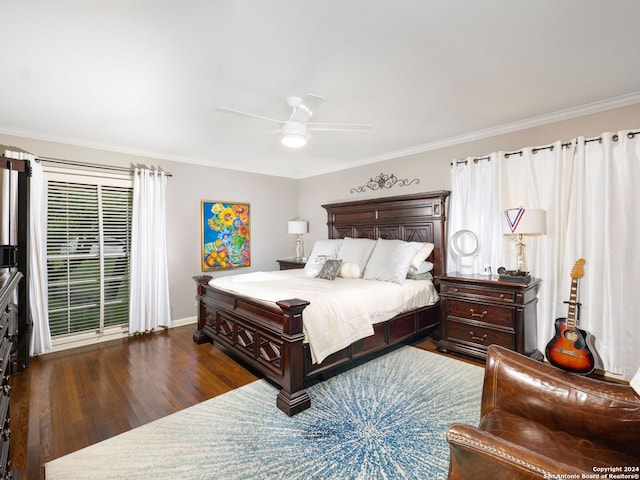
(384, 181)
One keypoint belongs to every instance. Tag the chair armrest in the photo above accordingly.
(480, 455)
(561, 400)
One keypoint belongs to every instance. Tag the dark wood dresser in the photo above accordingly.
(9, 282)
(15, 323)
(476, 311)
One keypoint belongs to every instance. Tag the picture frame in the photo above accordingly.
(225, 235)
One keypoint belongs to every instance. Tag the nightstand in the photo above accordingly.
(292, 263)
(476, 311)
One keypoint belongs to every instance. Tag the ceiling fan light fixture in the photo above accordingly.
(294, 130)
(293, 141)
(294, 134)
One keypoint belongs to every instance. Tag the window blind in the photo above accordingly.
(88, 242)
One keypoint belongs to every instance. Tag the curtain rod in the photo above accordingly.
(88, 165)
(475, 160)
(615, 138)
(535, 150)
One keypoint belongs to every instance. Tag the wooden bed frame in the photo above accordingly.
(269, 338)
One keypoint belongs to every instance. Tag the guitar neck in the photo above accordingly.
(573, 305)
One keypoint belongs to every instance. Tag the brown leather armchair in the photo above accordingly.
(537, 421)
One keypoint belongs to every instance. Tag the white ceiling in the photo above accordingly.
(145, 76)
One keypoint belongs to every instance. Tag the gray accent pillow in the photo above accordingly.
(330, 269)
(420, 276)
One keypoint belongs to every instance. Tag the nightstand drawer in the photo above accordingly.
(478, 293)
(477, 335)
(478, 312)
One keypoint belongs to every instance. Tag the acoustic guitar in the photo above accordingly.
(568, 349)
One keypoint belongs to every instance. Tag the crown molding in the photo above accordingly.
(561, 115)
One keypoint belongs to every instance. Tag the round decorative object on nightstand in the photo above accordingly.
(465, 244)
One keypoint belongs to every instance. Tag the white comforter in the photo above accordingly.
(341, 311)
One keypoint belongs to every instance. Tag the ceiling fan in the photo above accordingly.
(294, 129)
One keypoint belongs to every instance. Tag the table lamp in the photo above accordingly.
(298, 227)
(524, 221)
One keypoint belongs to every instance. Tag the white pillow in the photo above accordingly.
(350, 270)
(423, 268)
(322, 251)
(423, 253)
(356, 250)
(390, 261)
(422, 273)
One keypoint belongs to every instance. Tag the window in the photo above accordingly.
(88, 242)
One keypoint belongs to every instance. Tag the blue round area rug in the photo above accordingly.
(385, 419)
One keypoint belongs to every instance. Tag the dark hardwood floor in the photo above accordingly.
(68, 400)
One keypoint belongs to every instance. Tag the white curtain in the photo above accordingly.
(586, 188)
(38, 296)
(606, 227)
(38, 292)
(473, 203)
(537, 178)
(149, 292)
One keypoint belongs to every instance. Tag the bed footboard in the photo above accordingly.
(268, 338)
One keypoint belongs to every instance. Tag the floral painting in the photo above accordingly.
(225, 235)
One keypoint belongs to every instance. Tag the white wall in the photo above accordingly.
(273, 201)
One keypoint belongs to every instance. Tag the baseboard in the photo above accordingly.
(184, 321)
(114, 333)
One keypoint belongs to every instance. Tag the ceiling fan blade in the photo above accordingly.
(312, 102)
(246, 134)
(238, 112)
(339, 127)
(305, 110)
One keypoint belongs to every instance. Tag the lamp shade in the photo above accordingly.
(525, 221)
(298, 227)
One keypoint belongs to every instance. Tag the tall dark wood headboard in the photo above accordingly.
(417, 217)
